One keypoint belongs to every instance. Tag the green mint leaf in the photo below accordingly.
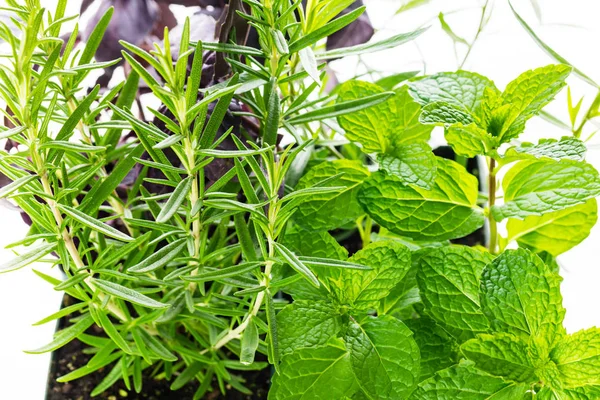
(464, 381)
(577, 358)
(322, 373)
(555, 232)
(405, 125)
(306, 324)
(403, 296)
(542, 186)
(528, 94)
(442, 113)
(502, 355)
(328, 211)
(520, 295)
(436, 346)
(448, 280)
(578, 393)
(369, 127)
(446, 211)
(412, 163)
(384, 125)
(462, 89)
(361, 289)
(305, 242)
(313, 244)
(469, 140)
(567, 147)
(384, 357)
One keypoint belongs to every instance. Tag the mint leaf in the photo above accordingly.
(577, 358)
(436, 346)
(528, 94)
(313, 244)
(542, 186)
(555, 232)
(440, 112)
(465, 382)
(578, 393)
(462, 89)
(327, 211)
(501, 354)
(384, 357)
(446, 211)
(306, 324)
(567, 147)
(448, 280)
(469, 140)
(520, 295)
(361, 289)
(369, 127)
(322, 373)
(412, 163)
(404, 295)
(405, 126)
(309, 243)
(384, 125)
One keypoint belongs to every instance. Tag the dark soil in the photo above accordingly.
(72, 356)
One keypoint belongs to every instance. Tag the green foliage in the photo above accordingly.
(327, 258)
(447, 211)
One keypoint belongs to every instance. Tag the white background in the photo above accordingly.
(503, 51)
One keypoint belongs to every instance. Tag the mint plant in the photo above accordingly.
(313, 233)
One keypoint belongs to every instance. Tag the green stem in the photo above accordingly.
(493, 243)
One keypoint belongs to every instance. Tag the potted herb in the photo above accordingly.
(213, 242)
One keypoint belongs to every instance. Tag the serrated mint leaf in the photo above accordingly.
(465, 382)
(313, 244)
(528, 94)
(322, 373)
(487, 111)
(405, 125)
(405, 294)
(578, 393)
(555, 232)
(577, 358)
(462, 89)
(306, 324)
(384, 357)
(542, 186)
(327, 211)
(442, 113)
(306, 242)
(446, 211)
(413, 163)
(448, 280)
(568, 147)
(369, 127)
(520, 295)
(380, 127)
(363, 289)
(436, 346)
(469, 140)
(502, 355)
